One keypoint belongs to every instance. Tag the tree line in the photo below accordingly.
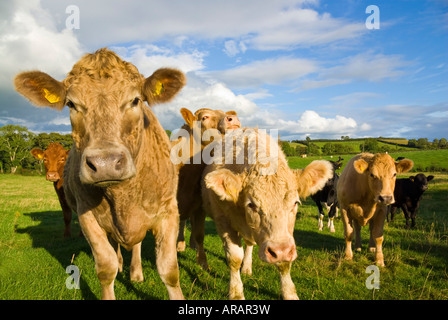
(373, 145)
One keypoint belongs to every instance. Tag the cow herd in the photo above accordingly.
(124, 177)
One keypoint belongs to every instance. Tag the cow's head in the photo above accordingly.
(381, 171)
(211, 119)
(421, 181)
(106, 99)
(54, 160)
(269, 203)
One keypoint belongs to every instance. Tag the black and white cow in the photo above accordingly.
(408, 193)
(328, 197)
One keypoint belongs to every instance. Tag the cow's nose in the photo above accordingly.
(280, 252)
(386, 199)
(232, 121)
(106, 168)
(53, 176)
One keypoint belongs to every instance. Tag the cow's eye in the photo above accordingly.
(205, 118)
(252, 206)
(71, 105)
(135, 102)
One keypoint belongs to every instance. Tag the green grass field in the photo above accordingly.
(34, 255)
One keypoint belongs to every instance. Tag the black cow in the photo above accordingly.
(328, 197)
(408, 193)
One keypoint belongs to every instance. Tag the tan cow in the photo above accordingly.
(118, 177)
(54, 161)
(256, 200)
(190, 173)
(365, 188)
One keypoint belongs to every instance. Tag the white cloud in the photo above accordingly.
(269, 71)
(148, 58)
(361, 67)
(29, 40)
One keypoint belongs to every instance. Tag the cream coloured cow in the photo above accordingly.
(190, 172)
(118, 177)
(365, 188)
(253, 195)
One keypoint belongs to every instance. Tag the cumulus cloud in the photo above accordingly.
(269, 71)
(29, 40)
(361, 67)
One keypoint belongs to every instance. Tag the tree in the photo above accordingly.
(443, 143)
(15, 144)
(328, 148)
(370, 145)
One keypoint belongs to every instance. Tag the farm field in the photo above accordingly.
(34, 255)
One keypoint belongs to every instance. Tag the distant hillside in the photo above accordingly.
(345, 146)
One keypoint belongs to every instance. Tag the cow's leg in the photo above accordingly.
(136, 263)
(376, 234)
(165, 234)
(234, 255)
(288, 288)
(181, 236)
(66, 211)
(197, 236)
(392, 210)
(348, 233)
(413, 216)
(331, 215)
(357, 228)
(405, 210)
(106, 261)
(320, 224)
(117, 249)
(247, 260)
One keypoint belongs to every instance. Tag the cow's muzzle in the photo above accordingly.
(276, 252)
(106, 167)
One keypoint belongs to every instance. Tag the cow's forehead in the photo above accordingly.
(382, 164)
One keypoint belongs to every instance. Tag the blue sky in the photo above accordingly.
(304, 67)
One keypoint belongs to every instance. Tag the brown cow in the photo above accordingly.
(54, 161)
(365, 188)
(255, 198)
(190, 173)
(118, 177)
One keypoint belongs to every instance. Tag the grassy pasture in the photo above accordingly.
(34, 255)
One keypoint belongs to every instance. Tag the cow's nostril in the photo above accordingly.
(272, 253)
(90, 164)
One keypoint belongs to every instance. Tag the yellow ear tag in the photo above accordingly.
(52, 98)
(159, 88)
(40, 156)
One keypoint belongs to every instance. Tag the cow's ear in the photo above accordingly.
(429, 178)
(225, 184)
(41, 89)
(314, 177)
(404, 165)
(188, 116)
(360, 166)
(163, 85)
(37, 153)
